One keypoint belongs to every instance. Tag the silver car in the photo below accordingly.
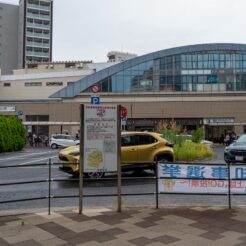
(62, 140)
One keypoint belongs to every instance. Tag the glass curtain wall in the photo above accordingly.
(189, 72)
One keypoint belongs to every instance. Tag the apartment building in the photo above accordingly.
(35, 31)
(25, 33)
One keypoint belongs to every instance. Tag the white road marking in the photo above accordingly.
(25, 163)
(18, 157)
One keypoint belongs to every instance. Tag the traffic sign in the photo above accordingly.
(95, 88)
(124, 121)
(95, 100)
(20, 115)
(123, 112)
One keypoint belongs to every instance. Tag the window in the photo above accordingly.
(7, 84)
(128, 141)
(146, 139)
(37, 117)
(68, 137)
(54, 83)
(33, 84)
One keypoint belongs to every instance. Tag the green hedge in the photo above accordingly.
(188, 150)
(12, 134)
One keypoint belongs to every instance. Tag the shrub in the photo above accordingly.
(186, 150)
(197, 135)
(12, 134)
(190, 151)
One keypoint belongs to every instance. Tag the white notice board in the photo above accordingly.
(100, 138)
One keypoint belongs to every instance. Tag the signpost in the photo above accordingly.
(95, 99)
(20, 115)
(95, 88)
(100, 138)
(100, 143)
(123, 115)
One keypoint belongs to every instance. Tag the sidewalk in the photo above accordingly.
(134, 226)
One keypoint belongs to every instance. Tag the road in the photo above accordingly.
(69, 186)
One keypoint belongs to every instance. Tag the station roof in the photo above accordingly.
(76, 88)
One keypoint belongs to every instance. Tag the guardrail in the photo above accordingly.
(49, 180)
(167, 177)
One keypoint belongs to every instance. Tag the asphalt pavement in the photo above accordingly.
(137, 184)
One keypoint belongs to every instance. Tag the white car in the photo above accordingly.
(208, 143)
(62, 140)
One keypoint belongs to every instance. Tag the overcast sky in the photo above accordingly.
(88, 29)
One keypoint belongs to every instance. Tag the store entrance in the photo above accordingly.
(216, 133)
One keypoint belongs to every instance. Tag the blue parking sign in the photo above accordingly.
(95, 100)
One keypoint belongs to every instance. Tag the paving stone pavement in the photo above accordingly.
(134, 226)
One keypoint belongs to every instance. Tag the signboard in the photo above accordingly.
(123, 121)
(194, 176)
(212, 79)
(100, 138)
(7, 109)
(123, 112)
(219, 120)
(29, 129)
(95, 99)
(20, 115)
(95, 88)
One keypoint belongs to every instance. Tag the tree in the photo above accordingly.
(12, 134)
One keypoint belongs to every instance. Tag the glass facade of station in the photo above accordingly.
(207, 71)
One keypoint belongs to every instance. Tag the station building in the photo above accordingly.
(196, 86)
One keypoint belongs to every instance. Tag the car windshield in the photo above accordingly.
(242, 139)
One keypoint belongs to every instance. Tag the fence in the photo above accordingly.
(169, 178)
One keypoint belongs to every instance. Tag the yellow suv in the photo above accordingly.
(139, 150)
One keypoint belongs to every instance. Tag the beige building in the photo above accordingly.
(39, 81)
(196, 86)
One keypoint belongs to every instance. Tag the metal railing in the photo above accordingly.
(50, 180)
(157, 177)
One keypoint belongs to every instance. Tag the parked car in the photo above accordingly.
(236, 152)
(62, 140)
(139, 151)
(207, 143)
(203, 141)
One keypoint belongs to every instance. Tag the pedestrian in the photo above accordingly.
(30, 139)
(34, 137)
(222, 139)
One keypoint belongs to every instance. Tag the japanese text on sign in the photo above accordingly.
(100, 138)
(201, 178)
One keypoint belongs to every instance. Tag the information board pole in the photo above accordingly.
(119, 156)
(81, 164)
(229, 185)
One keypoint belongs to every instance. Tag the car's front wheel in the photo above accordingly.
(94, 175)
(164, 158)
(54, 146)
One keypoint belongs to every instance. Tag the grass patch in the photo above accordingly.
(186, 150)
(189, 151)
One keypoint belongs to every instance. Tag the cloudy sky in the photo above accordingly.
(88, 29)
